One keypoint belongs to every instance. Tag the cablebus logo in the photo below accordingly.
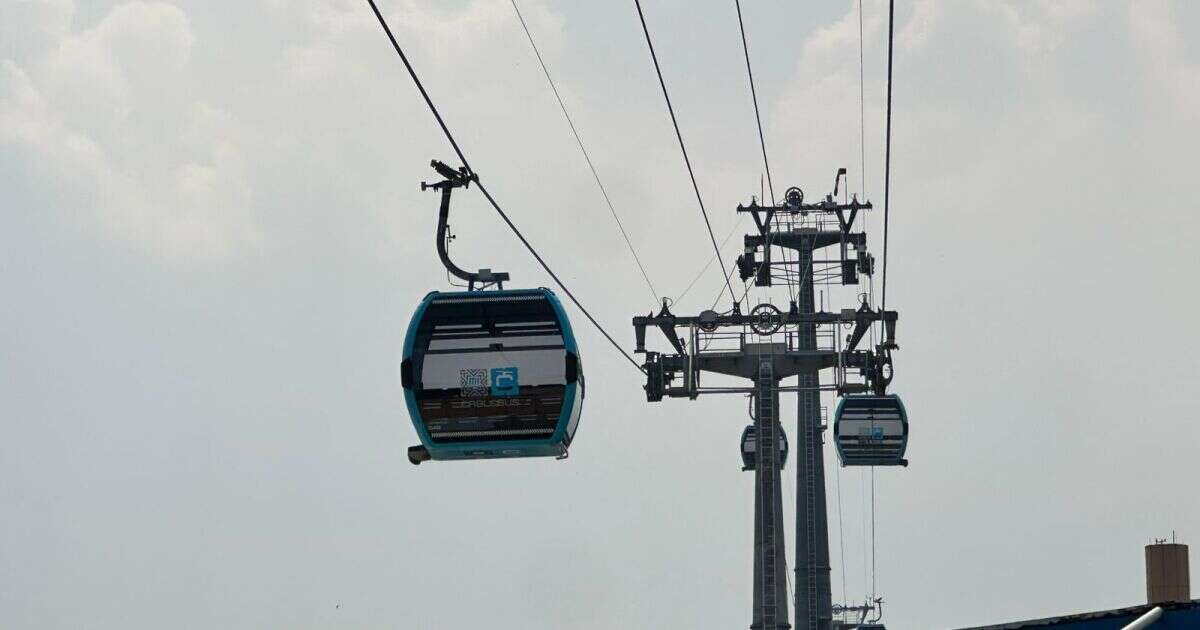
(505, 382)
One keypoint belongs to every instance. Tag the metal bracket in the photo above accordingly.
(460, 178)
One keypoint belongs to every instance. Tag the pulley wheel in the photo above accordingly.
(765, 319)
(794, 197)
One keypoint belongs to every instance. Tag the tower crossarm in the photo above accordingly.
(801, 238)
(663, 370)
(862, 319)
(846, 213)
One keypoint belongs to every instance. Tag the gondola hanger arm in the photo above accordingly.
(458, 178)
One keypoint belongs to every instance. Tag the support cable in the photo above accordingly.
(887, 162)
(862, 108)
(872, 533)
(745, 285)
(710, 262)
(450, 137)
(887, 175)
(682, 148)
(862, 485)
(754, 97)
(862, 147)
(887, 196)
(841, 535)
(761, 139)
(586, 156)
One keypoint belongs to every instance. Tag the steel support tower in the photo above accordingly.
(766, 346)
(813, 595)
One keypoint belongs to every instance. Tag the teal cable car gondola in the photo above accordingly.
(489, 374)
(871, 430)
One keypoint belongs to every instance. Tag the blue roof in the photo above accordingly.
(1176, 616)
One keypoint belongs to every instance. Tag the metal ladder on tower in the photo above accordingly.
(767, 451)
(812, 442)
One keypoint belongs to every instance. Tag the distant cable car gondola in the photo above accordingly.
(871, 430)
(750, 447)
(489, 374)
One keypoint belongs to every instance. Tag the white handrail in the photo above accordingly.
(1145, 620)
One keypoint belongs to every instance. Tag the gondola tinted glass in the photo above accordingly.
(492, 374)
(871, 430)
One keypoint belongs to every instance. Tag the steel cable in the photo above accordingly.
(586, 156)
(487, 195)
(887, 161)
(682, 148)
(762, 140)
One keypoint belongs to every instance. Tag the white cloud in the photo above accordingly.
(111, 112)
(29, 26)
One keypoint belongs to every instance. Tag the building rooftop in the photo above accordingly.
(1176, 616)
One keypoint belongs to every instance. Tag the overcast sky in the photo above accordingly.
(213, 238)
